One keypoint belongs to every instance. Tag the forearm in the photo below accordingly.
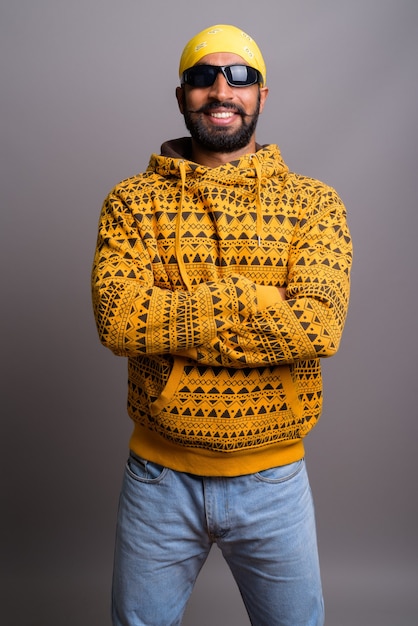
(277, 336)
(310, 322)
(133, 318)
(241, 345)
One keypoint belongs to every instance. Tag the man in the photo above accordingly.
(224, 278)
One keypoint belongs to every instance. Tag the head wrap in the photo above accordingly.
(222, 38)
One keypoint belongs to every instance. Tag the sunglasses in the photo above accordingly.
(235, 75)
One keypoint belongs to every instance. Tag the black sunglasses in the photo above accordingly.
(235, 75)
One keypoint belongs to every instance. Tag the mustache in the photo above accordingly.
(207, 108)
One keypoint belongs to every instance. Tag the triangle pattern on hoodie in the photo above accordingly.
(181, 250)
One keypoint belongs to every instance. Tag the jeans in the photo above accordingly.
(263, 523)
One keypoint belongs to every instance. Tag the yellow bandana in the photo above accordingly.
(222, 38)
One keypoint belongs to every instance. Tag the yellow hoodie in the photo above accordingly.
(219, 384)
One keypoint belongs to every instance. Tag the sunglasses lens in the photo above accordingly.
(236, 75)
(200, 75)
(241, 75)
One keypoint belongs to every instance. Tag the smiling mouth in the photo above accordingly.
(223, 115)
(221, 110)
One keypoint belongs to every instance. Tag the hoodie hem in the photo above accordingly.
(154, 448)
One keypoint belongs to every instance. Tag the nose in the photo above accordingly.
(221, 90)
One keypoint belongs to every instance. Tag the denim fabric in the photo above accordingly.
(263, 523)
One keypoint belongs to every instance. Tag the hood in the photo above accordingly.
(268, 157)
(175, 161)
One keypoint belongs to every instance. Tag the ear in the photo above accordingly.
(180, 98)
(264, 92)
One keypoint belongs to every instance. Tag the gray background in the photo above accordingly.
(87, 93)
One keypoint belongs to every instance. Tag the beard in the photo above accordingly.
(220, 138)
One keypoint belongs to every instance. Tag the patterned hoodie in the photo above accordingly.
(219, 382)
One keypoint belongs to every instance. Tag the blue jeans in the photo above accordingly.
(263, 523)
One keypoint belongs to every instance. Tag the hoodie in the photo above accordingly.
(221, 383)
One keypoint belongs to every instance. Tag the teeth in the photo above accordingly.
(222, 115)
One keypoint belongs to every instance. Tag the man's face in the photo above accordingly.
(221, 118)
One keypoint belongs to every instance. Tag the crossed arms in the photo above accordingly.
(228, 321)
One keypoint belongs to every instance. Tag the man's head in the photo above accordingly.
(222, 38)
(222, 74)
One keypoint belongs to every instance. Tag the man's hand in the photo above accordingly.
(282, 291)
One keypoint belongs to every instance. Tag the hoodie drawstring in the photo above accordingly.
(179, 254)
(259, 206)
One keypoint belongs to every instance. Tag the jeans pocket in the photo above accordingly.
(282, 473)
(143, 470)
